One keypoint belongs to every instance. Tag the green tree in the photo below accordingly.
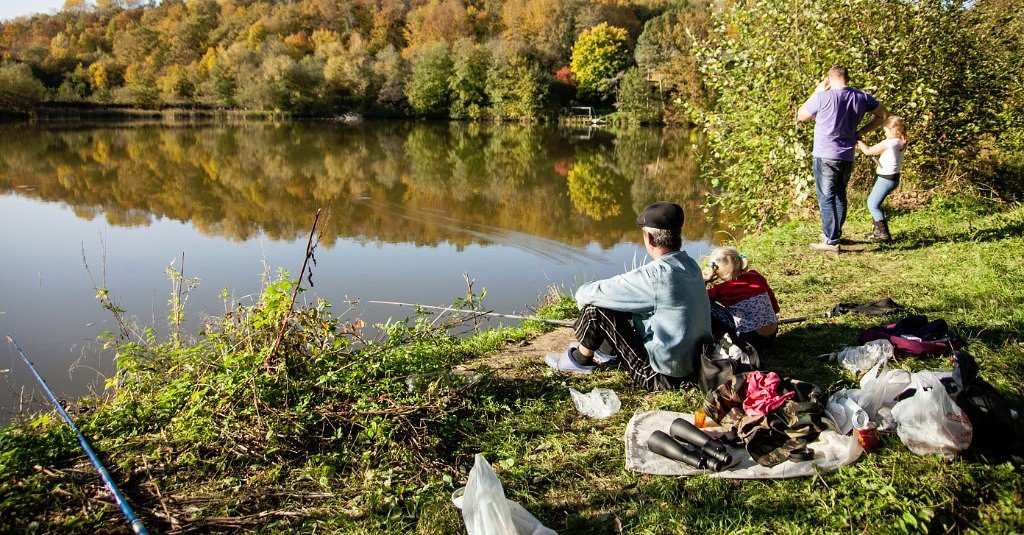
(427, 89)
(516, 89)
(469, 80)
(20, 91)
(666, 50)
(140, 81)
(638, 100)
(390, 75)
(599, 57)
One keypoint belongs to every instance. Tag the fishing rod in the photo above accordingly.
(564, 323)
(137, 526)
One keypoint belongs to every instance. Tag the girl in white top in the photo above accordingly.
(890, 158)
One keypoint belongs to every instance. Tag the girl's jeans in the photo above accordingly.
(884, 185)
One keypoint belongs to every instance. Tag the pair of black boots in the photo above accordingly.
(881, 231)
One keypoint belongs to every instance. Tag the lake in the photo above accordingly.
(408, 209)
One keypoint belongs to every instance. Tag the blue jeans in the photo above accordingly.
(884, 185)
(830, 179)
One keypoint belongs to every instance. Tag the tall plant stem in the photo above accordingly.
(295, 292)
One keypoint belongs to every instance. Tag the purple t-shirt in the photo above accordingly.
(837, 114)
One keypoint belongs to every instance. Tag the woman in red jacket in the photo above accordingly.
(745, 294)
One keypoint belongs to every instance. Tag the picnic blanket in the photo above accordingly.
(831, 451)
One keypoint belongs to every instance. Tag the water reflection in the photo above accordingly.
(410, 207)
(530, 187)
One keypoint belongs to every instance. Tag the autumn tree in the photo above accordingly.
(599, 58)
(443, 21)
(546, 27)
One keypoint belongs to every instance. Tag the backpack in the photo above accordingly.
(996, 437)
(729, 356)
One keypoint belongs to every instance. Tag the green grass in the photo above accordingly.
(343, 445)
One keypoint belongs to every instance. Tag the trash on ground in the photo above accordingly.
(599, 403)
(486, 511)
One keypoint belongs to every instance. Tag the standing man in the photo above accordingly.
(656, 317)
(837, 110)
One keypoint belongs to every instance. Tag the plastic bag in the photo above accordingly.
(929, 421)
(859, 359)
(878, 388)
(600, 403)
(484, 508)
(486, 511)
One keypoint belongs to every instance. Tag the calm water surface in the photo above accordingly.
(408, 208)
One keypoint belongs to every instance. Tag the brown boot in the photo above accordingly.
(881, 232)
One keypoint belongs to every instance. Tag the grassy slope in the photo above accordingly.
(956, 259)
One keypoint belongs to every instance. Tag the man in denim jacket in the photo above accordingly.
(656, 317)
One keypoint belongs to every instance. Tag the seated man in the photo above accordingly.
(656, 317)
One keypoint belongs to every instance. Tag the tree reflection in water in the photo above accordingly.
(394, 182)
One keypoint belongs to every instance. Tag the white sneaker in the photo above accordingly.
(564, 362)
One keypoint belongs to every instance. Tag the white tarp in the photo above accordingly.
(831, 451)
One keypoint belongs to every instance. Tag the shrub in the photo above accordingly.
(20, 91)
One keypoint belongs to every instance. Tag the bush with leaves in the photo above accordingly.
(666, 49)
(922, 60)
(468, 83)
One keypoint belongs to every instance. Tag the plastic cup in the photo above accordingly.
(457, 497)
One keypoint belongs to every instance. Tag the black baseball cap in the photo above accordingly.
(661, 215)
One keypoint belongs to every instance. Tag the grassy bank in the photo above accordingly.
(327, 435)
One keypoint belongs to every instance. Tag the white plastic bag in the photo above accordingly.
(859, 359)
(879, 387)
(484, 508)
(486, 511)
(929, 421)
(599, 403)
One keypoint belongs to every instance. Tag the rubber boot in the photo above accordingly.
(881, 232)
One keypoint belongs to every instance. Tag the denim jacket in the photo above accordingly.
(670, 308)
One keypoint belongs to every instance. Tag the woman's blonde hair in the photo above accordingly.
(730, 262)
(896, 124)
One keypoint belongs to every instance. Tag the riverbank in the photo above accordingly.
(224, 434)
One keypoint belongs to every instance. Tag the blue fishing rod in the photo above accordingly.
(137, 526)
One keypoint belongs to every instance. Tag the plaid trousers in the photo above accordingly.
(596, 326)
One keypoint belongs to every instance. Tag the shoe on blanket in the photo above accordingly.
(564, 362)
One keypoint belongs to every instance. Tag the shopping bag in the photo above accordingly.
(929, 421)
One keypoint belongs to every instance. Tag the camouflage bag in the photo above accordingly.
(771, 438)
